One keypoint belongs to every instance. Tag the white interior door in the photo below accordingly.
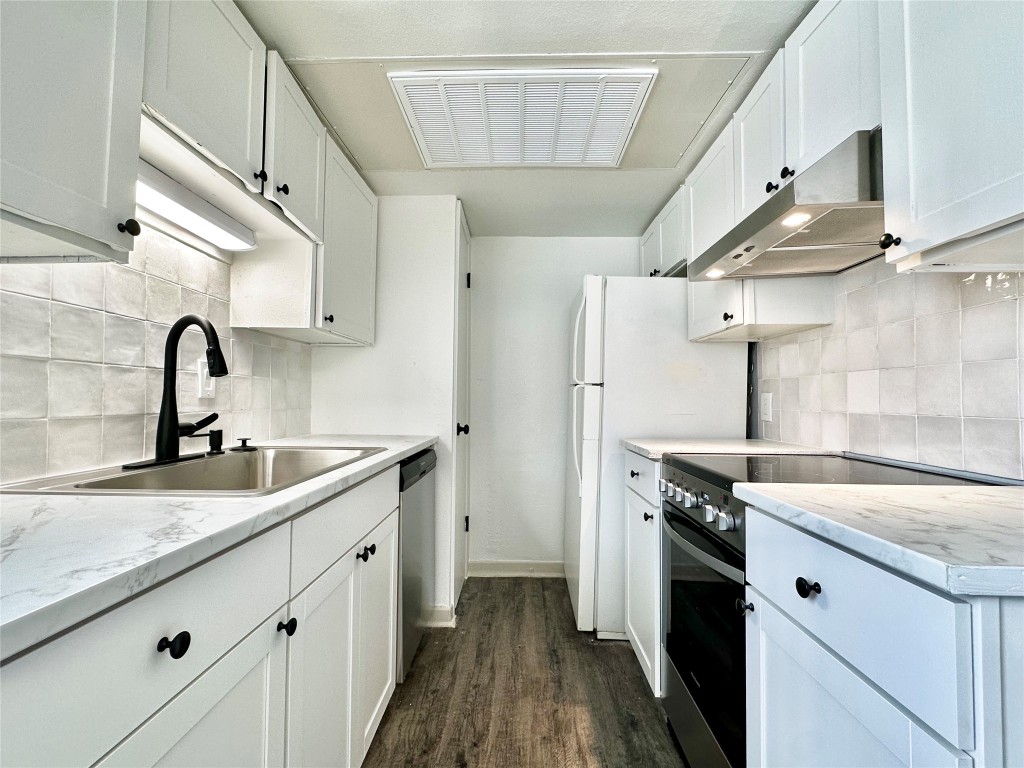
(462, 441)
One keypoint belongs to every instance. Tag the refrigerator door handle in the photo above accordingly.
(576, 337)
(575, 443)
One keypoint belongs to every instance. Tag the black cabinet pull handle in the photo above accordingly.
(654, 273)
(461, 429)
(634, 473)
(364, 555)
(261, 176)
(283, 189)
(742, 607)
(648, 516)
(177, 647)
(131, 226)
(769, 187)
(787, 172)
(726, 316)
(289, 627)
(887, 241)
(804, 588)
(329, 318)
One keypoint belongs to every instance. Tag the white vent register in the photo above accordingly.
(549, 117)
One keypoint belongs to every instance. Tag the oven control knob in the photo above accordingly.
(689, 499)
(710, 513)
(679, 493)
(669, 490)
(663, 484)
(726, 521)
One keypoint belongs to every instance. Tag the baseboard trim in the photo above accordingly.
(529, 568)
(441, 616)
(612, 636)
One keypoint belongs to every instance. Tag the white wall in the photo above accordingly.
(519, 395)
(404, 383)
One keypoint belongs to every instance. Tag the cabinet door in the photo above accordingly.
(759, 141)
(643, 566)
(650, 250)
(232, 715)
(713, 305)
(347, 260)
(832, 82)
(71, 95)
(953, 107)
(805, 707)
(671, 226)
(376, 633)
(205, 77)
(321, 656)
(712, 200)
(296, 150)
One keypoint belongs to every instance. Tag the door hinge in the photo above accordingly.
(467, 523)
(467, 279)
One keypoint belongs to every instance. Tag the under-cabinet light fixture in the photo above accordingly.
(160, 194)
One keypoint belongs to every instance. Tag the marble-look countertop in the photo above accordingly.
(64, 558)
(963, 540)
(654, 447)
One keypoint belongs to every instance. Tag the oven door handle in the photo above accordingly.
(733, 574)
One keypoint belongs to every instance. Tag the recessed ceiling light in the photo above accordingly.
(795, 220)
(522, 118)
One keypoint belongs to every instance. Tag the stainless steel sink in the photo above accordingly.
(235, 473)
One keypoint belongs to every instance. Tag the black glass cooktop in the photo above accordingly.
(723, 470)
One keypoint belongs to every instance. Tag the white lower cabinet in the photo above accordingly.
(230, 716)
(321, 666)
(643, 603)
(806, 707)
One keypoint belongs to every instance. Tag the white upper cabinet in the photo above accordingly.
(711, 185)
(756, 309)
(759, 141)
(832, 80)
(662, 246)
(347, 260)
(295, 151)
(205, 77)
(650, 250)
(952, 108)
(70, 99)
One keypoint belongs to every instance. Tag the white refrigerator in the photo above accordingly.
(634, 373)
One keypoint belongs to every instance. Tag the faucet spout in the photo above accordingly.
(168, 429)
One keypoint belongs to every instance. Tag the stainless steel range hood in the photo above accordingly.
(829, 218)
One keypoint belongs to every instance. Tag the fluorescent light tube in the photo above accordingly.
(159, 193)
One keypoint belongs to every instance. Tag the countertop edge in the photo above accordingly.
(68, 611)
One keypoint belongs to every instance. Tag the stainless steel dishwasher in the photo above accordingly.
(416, 554)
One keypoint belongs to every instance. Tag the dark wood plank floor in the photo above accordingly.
(516, 686)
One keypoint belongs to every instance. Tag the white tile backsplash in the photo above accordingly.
(81, 373)
(925, 367)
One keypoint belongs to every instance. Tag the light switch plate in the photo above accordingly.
(766, 406)
(206, 385)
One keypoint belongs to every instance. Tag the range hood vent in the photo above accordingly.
(828, 219)
(576, 118)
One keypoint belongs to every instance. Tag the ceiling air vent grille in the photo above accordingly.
(567, 117)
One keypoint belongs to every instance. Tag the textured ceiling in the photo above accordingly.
(708, 54)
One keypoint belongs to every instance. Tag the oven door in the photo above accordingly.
(704, 643)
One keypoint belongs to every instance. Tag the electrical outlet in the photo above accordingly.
(206, 385)
(766, 406)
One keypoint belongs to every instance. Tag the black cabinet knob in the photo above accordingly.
(178, 647)
(742, 607)
(329, 318)
(283, 189)
(804, 588)
(289, 627)
(648, 516)
(261, 176)
(769, 187)
(364, 555)
(887, 241)
(654, 273)
(373, 549)
(634, 473)
(787, 172)
(131, 226)
(461, 429)
(726, 316)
